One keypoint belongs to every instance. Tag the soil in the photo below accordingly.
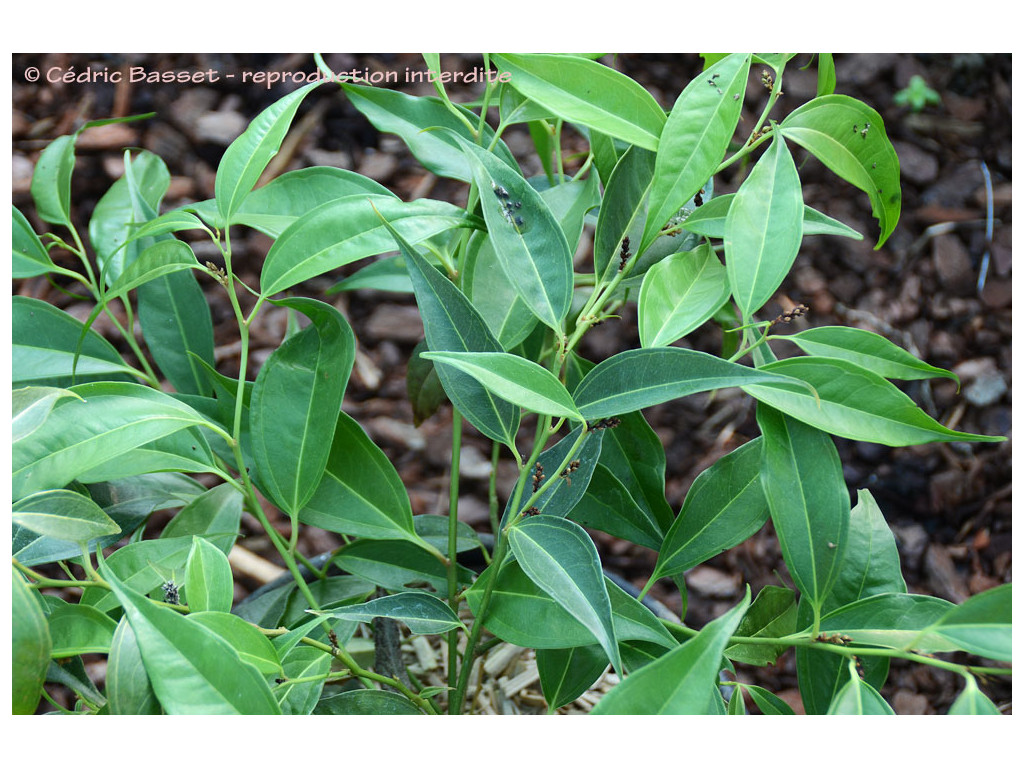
(940, 287)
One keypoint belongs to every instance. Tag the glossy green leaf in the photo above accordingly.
(252, 645)
(679, 294)
(802, 478)
(423, 614)
(143, 566)
(494, 294)
(31, 406)
(45, 340)
(871, 566)
(524, 614)
(30, 647)
(297, 393)
(307, 663)
(725, 506)
(768, 702)
(709, 220)
(772, 614)
(972, 701)
(981, 625)
(110, 420)
(609, 507)
(78, 629)
(866, 349)
(422, 385)
(192, 669)
(451, 324)
(415, 119)
(129, 691)
(63, 514)
(851, 402)
(858, 698)
(30, 257)
(623, 209)
(764, 228)
(567, 673)
(169, 223)
(215, 515)
(527, 239)
(849, 138)
(433, 529)
(892, 620)
(348, 229)
(366, 702)
(639, 378)
(681, 681)
(736, 704)
(360, 493)
(163, 258)
(515, 379)
(385, 274)
(562, 560)
(396, 565)
(582, 91)
(247, 157)
(695, 138)
(826, 74)
(51, 181)
(208, 581)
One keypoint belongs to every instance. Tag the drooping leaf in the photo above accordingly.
(609, 507)
(78, 629)
(858, 698)
(129, 691)
(30, 647)
(849, 138)
(30, 257)
(251, 644)
(31, 406)
(623, 209)
(567, 673)
(396, 565)
(972, 701)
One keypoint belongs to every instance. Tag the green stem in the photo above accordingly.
(453, 534)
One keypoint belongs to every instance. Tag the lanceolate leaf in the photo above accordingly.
(30, 647)
(695, 138)
(294, 404)
(51, 181)
(208, 581)
(858, 698)
(981, 625)
(451, 324)
(892, 620)
(639, 378)
(31, 406)
(623, 209)
(866, 349)
(424, 614)
(30, 257)
(248, 156)
(515, 379)
(680, 682)
(566, 673)
(772, 614)
(849, 138)
(851, 402)
(764, 228)
(582, 91)
(161, 259)
(679, 293)
(192, 670)
(972, 701)
(810, 506)
(607, 506)
(562, 560)
(65, 515)
(709, 220)
(128, 688)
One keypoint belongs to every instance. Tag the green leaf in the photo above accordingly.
(248, 156)
(772, 614)
(413, 118)
(78, 629)
(423, 614)
(851, 402)
(582, 91)
(360, 493)
(858, 698)
(524, 614)
(433, 529)
(826, 74)
(385, 274)
(494, 295)
(163, 258)
(725, 506)
(192, 669)
(609, 507)
(128, 689)
(527, 239)
(764, 228)
(110, 420)
(681, 681)
(366, 702)
(30, 257)
(981, 625)
(451, 324)
(695, 138)
(252, 645)
(45, 341)
(348, 229)
(515, 379)
(297, 393)
(803, 481)
(709, 220)
(208, 581)
(31, 406)
(892, 620)
(639, 378)
(303, 662)
(562, 560)
(972, 701)
(679, 294)
(623, 209)
(63, 514)
(51, 181)
(396, 565)
(30, 647)
(849, 138)
(768, 702)
(214, 515)
(866, 349)
(567, 673)
(422, 385)
(143, 566)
